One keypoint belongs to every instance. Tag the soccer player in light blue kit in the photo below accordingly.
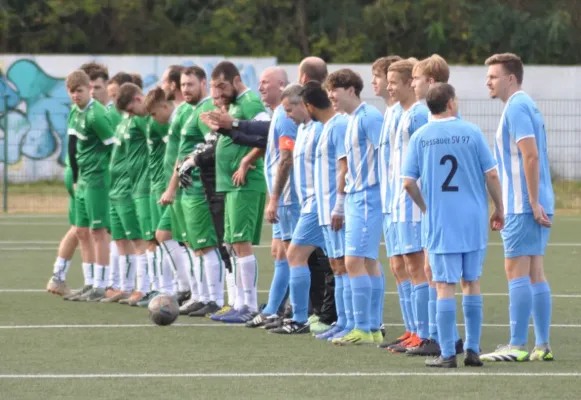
(363, 217)
(455, 165)
(330, 171)
(307, 235)
(283, 208)
(527, 194)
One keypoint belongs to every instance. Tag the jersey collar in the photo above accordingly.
(203, 101)
(173, 114)
(243, 93)
(514, 94)
(357, 109)
(87, 106)
(443, 119)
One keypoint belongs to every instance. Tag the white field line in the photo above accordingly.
(563, 296)
(213, 325)
(294, 374)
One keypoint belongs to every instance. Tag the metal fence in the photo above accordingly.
(36, 151)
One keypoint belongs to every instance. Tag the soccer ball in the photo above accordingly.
(163, 310)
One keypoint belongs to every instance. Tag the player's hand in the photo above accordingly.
(209, 121)
(541, 216)
(167, 198)
(239, 177)
(337, 222)
(220, 118)
(272, 211)
(497, 220)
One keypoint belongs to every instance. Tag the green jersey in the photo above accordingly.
(180, 116)
(229, 155)
(156, 137)
(94, 134)
(138, 156)
(120, 182)
(114, 116)
(193, 133)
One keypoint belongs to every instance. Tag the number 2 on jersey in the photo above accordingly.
(446, 185)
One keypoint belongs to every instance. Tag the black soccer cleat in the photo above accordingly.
(182, 297)
(428, 348)
(292, 328)
(472, 359)
(459, 346)
(440, 362)
(209, 308)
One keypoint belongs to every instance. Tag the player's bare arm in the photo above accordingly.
(530, 157)
(170, 193)
(285, 165)
(495, 191)
(338, 212)
(410, 185)
(239, 177)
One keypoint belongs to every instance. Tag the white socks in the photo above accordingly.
(152, 269)
(88, 272)
(190, 259)
(114, 277)
(142, 283)
(166, 272)
(61, 267)
(127, 267)
(248, 271)
(182, 263)
(231, 285)
(101, 275)
(199, 276)
(214, 276)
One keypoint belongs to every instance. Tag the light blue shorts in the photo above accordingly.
(308, 232)
(334, 242)
(523, 236)
(288, 216)
(363, 224)
(390, 236)
(449, 268)
(409, 237)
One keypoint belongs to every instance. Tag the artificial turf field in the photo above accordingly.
(52, 349)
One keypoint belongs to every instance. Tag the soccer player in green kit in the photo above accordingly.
(240, 174)
(90, 124)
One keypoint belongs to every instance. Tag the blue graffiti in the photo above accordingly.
(35, 107)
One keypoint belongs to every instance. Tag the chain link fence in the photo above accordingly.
(36, 152)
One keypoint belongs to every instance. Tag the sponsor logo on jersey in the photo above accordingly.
(97, 221)
(202, 240)
(238, 234)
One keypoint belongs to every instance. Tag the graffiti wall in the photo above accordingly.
(34, 104)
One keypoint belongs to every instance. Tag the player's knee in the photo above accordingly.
(243, 249)
(99, 234)
(82, 233)
(355, 266)
(162, 236)
(470, 288)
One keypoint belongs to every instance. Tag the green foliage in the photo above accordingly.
(343, 31)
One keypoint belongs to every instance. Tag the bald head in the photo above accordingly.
(272, 82)
(312, 69)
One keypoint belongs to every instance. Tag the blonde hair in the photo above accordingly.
(154, 97)
(434, 67)
(382, 64)
(404, 68)
(77, 78)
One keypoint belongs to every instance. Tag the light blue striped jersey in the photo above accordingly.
(330, 148)
(280, 126)
(403, 208)
(390, 122)
(522, 119)
(361, 144)
(304, 165)
(451, 157)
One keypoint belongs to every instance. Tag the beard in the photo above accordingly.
(195, 98)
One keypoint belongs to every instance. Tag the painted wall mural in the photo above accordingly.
(34, 103)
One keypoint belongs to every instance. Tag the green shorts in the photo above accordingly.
(178, 225)
(70, 185)
(143, 209)
(199, 223)
(92, 207)
(165, 220)
(156, 210)
(243, 216)
(124, 222)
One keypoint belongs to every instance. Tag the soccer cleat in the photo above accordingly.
(135, 298)
(76, 294)
(182, 297)
(226, 310)
(472, 359)
(148, 297)
(427, 348)
(329, 333)
(506, 353)
(209, 308)
(190, 306)
(58, 287)
(319, 327)
(115, 298)
(240, 317)
(441, 362)
(258, 321)
(411, 342)
(459, 346)
(292, 328)
(542, 353)
(95, 295)
(377, 337)
(400, 339)
(356, 336)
